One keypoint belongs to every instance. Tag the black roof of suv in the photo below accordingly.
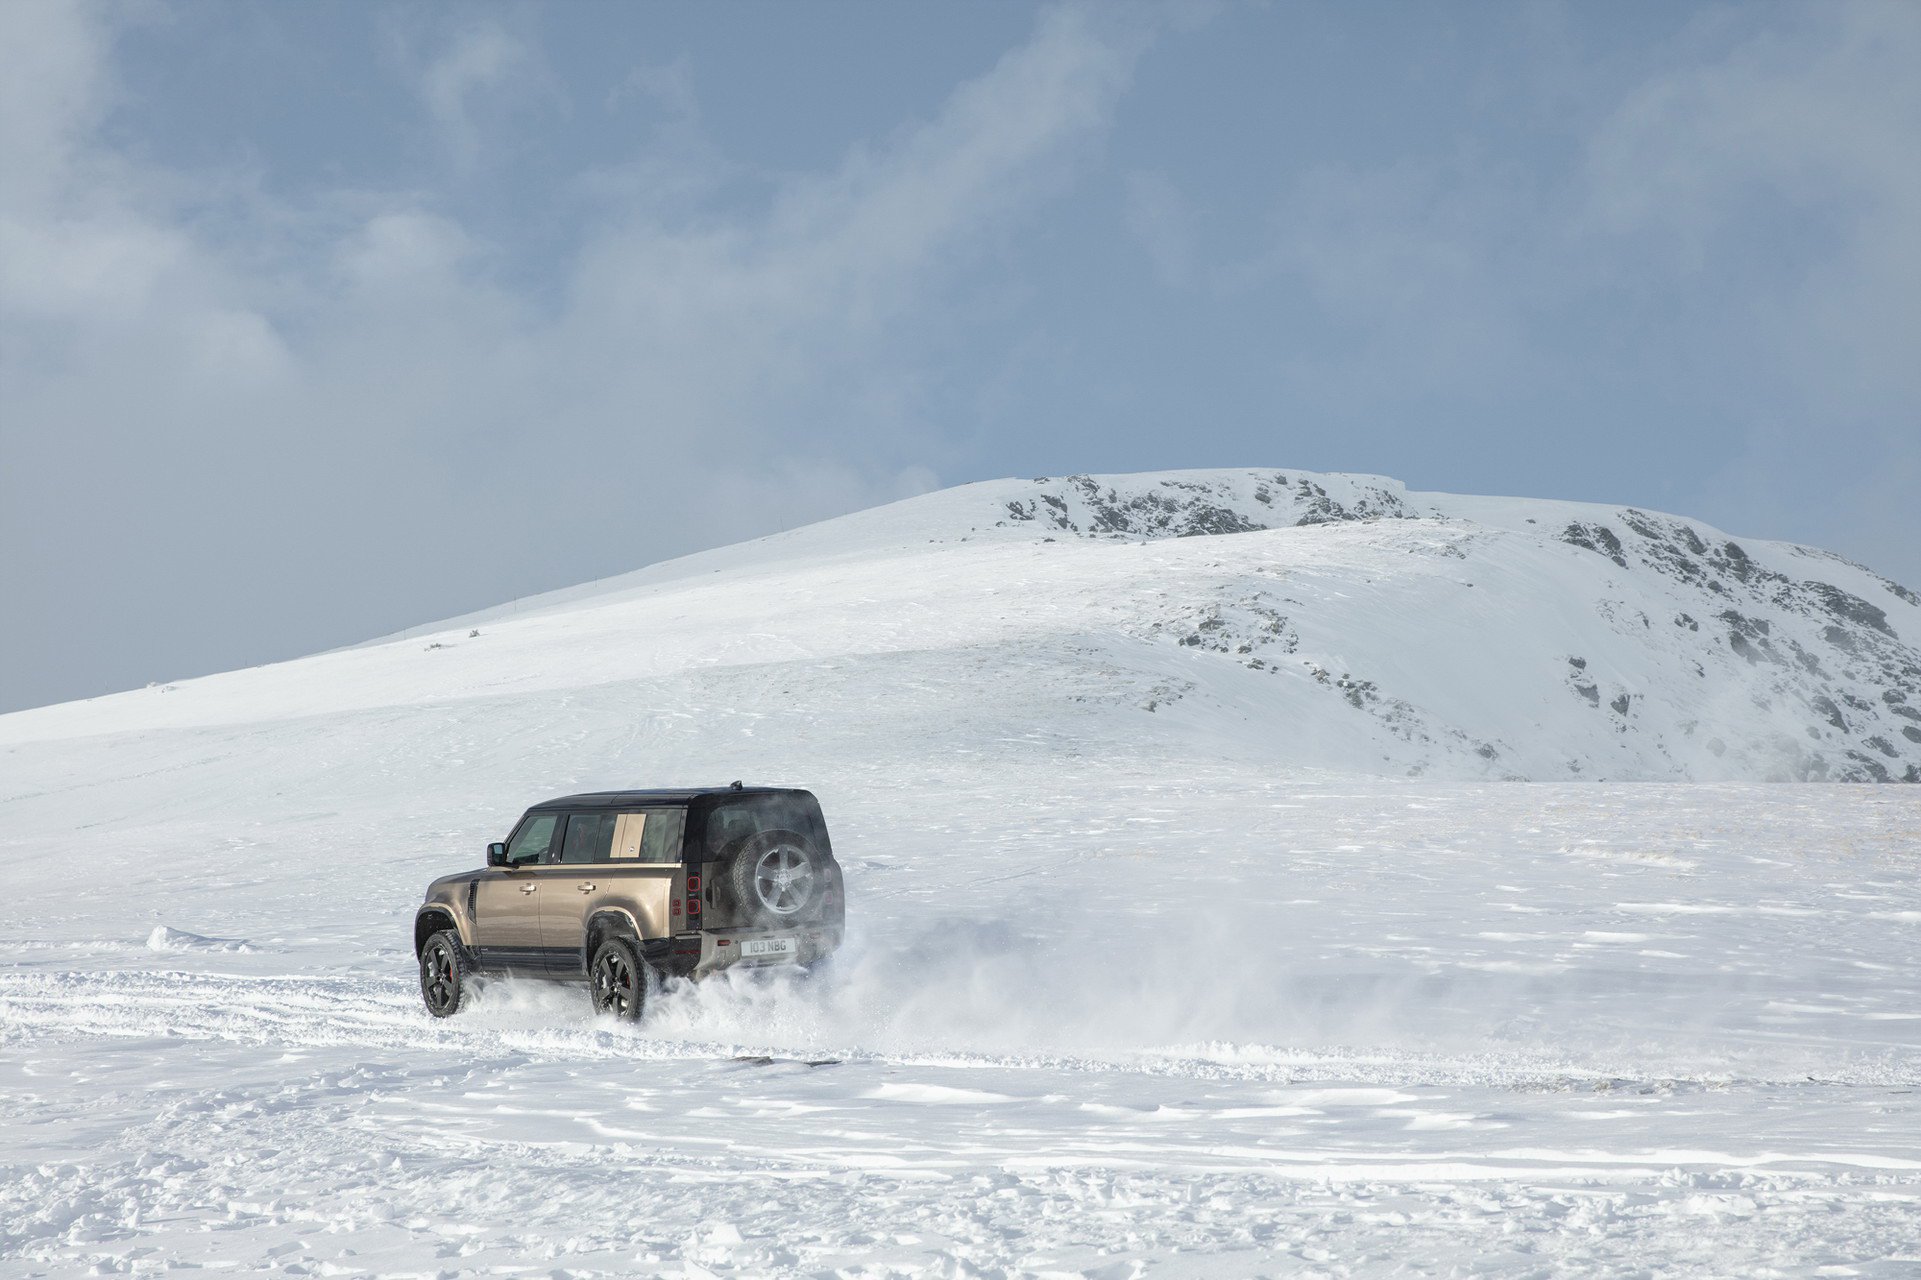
(670, 795)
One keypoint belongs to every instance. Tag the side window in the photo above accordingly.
(661, 839)
(590, 837)
(652, 835)
(531, 842)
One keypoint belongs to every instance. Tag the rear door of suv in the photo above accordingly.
(725, 822)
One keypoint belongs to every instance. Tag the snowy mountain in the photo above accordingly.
(1306, 621)
(1194, 929)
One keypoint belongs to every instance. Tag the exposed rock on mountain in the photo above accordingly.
(1833, 680)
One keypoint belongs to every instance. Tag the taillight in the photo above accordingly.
(693, 896)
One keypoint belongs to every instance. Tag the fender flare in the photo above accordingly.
(431, 918)
(608, 922)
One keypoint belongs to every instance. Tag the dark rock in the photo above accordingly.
(1869, 770)
(1852, 607)
(1596, 538)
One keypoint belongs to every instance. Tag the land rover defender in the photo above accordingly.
(609, 887)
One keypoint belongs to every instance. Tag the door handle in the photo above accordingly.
(528, 888)
(585, 886)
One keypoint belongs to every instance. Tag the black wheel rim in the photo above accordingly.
(440, 977)
(616, 990)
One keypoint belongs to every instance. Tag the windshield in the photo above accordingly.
(731, 821)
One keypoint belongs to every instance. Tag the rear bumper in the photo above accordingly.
(704, 951)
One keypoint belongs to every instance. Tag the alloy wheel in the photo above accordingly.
(441, 974)
(784, 879)
(616, 989)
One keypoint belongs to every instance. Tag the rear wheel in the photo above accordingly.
(445, 974)
(618, 980)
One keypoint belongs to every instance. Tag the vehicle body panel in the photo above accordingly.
(507, 909)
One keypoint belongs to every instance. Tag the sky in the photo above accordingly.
(320, 321)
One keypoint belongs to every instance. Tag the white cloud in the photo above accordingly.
(55, 90)
(365, 422)
(1814, 126)
(1821, 122)
(481, 59)
(405, 252)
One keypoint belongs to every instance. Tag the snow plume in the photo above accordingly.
(1234, 996)
(166, 938)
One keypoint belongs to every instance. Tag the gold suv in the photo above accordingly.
(609, 887)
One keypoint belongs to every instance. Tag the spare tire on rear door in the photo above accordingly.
(775, 876)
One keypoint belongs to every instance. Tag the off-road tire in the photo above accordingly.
(617, 980)
(776, 876)
(446, 974)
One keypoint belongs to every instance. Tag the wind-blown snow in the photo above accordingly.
(1159, 956)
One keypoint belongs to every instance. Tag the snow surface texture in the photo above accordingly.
(1160, 961)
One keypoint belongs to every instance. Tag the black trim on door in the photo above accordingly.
(530, 962)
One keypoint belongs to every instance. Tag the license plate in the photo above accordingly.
(754, 948)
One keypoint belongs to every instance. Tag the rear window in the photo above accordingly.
(731, 821)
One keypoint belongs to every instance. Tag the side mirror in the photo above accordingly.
(496, 854)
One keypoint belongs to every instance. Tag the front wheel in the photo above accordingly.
(618, 980)
(445, 974)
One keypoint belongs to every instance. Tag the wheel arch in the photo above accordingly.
(608, 922)
(431, 919)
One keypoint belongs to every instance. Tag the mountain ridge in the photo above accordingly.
(1315, 620)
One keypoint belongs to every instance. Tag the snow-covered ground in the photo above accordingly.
(1159, 961)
